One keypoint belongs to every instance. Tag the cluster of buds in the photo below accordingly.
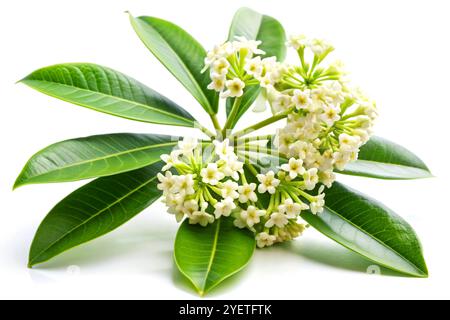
(236, 65)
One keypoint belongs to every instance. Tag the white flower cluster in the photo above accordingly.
(205, 187)
(237, 64)
(327, 122)
(199, 181)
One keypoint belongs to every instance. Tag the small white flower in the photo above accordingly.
(220, 67)
(218, 82)
(326, 161)
(254, 67)
(228, 189)
(233, 167)
(297, 41)
(189, 207)
(281, 103)
(166, 182)
(201, 217)
(330, 115)
(184, 184)
(216, 53)
(310, 178)
(277, 219)
(187, 145)
(291, 209)
(251, 45)
(320, 47)
(224, 208)
(235, 88)
(363, 135)
(247, 192)
(301, 99)
(170, 160)
(327, 178)
(263, 239)
(211, 174)
(299, 149)
(294, 167)
(252, 215)
(266, 81)
(268, 182)
(316, 206)
(348, 143)
(174, 203)
(341, 159)
(223, 149)
(239, 222)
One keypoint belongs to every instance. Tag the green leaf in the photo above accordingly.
(255, 26)
(95, 156)
(383, 159)
(106, 90)
(209, 255)
(181, 54)
(247, 101)
(371, 229)
(94, 210)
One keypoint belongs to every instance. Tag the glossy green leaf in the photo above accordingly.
(371, 229)
(94, 210)
(209, 255)
(181, 54)
(95, 156)
(383, 159)
(255, 26)
(106, 90)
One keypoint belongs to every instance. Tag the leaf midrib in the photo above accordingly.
(393, 164)
(213, 254)
(377, 240)
(105, 157)
(91, 218)
(189, 73)
(28, 82)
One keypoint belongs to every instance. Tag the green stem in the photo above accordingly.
(263, 123)
(205, 131)
(232, 115)
(215, 122)
(250, 166)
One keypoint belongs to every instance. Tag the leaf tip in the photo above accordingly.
(18, 183)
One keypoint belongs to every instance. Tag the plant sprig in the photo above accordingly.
(235, 190)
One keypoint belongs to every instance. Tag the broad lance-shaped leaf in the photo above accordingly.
(109, 91)
(255, 26)
(95, 156)
(94, 210)
(209, 255)
(369, 228)
(383, 159)
(181, 54)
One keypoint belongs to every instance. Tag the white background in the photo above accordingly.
(398, 51)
